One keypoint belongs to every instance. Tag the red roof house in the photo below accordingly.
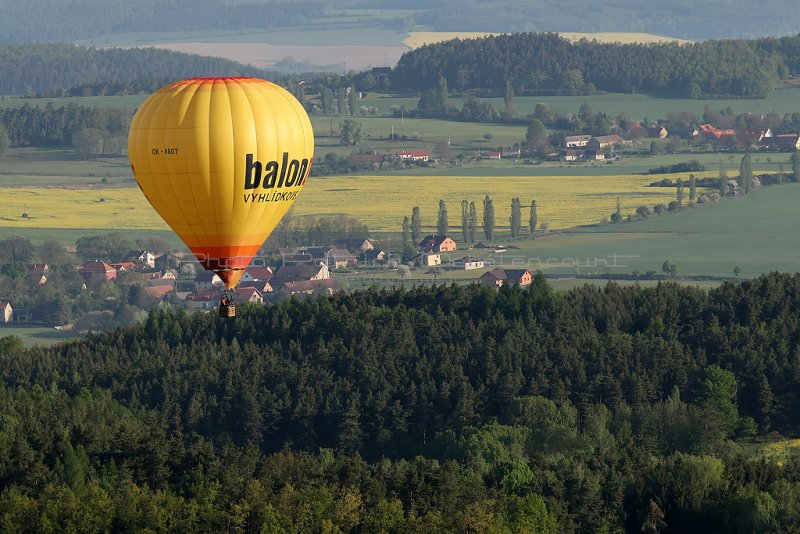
(437, 243)
(97, 271)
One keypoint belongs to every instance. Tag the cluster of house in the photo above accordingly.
(761, 138)
(406, 155)
(304, 270)
(589, 147)
(434, 246)
(424, 155)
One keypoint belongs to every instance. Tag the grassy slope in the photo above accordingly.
(758, 233)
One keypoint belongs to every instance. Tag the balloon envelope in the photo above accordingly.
(221, 160)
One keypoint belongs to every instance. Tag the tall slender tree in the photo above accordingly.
(442, 225)
(508, 112)
(443, 94)
(692, 189)
(534, 218)
(515, 221)
(416, 225)
(465, 220)
(473, 221)
(488, 217)
(326, 99)
(796, 166)
(341, 101)
(679, 193)
(746, 174)
(407, 243)
(352, 100)
(722, 182)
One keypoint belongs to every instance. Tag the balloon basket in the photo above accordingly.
(227, 310)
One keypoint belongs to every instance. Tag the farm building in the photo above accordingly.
(468, 263)
(576, 141)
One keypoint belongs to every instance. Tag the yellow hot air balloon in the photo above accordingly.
(221, 160)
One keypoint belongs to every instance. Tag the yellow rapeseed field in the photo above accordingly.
(562, 201)
(116, 208)
(379, 201)
(417, 39)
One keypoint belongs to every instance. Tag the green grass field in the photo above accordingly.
(758, 233)
(35, 334)
(637, 106)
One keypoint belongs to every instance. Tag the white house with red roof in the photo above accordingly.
(248, 294)
(413, 155)
(256, 273)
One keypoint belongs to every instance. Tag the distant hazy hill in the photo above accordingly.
(689, 19)
(65, 20)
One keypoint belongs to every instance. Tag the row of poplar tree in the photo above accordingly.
(412, 226)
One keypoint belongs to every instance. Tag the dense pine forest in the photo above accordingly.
(57, 69)
(443, 409)
(542, 63)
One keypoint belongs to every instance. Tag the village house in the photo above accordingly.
(123, 266)
(573, 155)
(248, 294)
(427, 259)
(37, 273)
(145, 258)
(658, 132)
(174, 260)
(158, 289)
(6, 312)
(784, 142)
(340, 258)
(604, 141)
(437, 243)
(256, 273)
(369, 159)
(309, 287)
(413, 155)
(206, 281)
(201, 301)
(373, 255)
(263, 286)
(576, 141)
(494, 155)
(468, 263)
(510, 152)
(366, 245)
(299, 273)
(500, 276)
(97, 271)
(718, 135)
(594, 155)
